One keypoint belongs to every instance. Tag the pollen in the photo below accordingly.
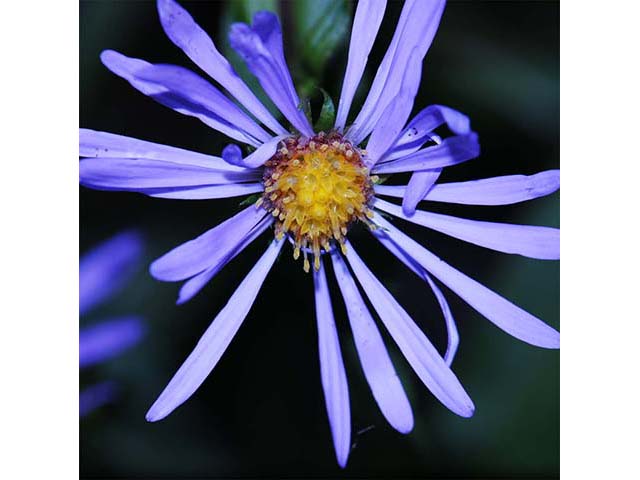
(316, 189)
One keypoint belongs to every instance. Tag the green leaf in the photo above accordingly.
(305, 106)
(250, 200)
(327, 116)
(320, 28)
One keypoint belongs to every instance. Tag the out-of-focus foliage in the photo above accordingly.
(327, 115)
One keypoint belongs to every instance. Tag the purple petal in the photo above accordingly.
(109, 145)
(108, 339)
(133, 174)
(527, 240)
(187, 85)
(332, 372)
(195, 284)
(453, 339)
(215, 340)
(488, 191)
(201, 253)
(185, 33)
(260, 47)
(415, 346)
(256, 159)
(96, 396)
(366, 24)
(207, 192)
(417, 188)
(130, 69)
(419, 131)
(107, 268)
(416, 28)
(374, 358)
(504, 314)
(395, 116)
(451, 151)
(232, 154)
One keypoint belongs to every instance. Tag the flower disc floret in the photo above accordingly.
(316, 188)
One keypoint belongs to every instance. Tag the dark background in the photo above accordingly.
(261, 412)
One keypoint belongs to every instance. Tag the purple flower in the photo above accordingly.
(313, 186)
(103, 272)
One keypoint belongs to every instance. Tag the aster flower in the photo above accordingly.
(104, 271)
(313, 187)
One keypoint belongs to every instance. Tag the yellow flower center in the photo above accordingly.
(316, 188)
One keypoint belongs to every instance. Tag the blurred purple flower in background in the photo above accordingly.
(104, 271)
(314, 186)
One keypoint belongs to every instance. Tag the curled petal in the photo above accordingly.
(451, 151)
(215, 340)
(201, 253)
(527, 240)
(374, 358)
(366, 23)
(501, 312)
(420, 129)
(256, 159)
(415, 346)
(419, 185)
(260, 46)
(185, 33)
(332, 372)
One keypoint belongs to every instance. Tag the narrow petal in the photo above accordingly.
(366, 24)
(109, 145)
(487, 191)
(96, 395)
(416, 28)
(332, 372)
(419, 185)
(185, 33)
(205, 193)
(201, 253)
(374, 358)
(194, 89)
(451, 151)
(392, 121)
(130, 69)
(526, 240)
(415, 346)
(260, 46)
(420, 129)
(215, 340)
(133, 174)
(453, 338)
(108, 267)
(195, 284)
(108, 339)
(256, 159)
(502, 313)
